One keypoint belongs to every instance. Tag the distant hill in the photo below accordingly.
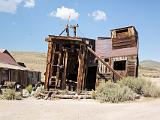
(37, 61)
(149, 68)
(150, 64)
(33, 60)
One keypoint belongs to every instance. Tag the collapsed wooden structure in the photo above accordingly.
(69, 64)
(75, 64)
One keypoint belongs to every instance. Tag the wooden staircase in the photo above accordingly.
(105, 76)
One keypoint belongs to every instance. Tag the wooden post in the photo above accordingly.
(49, 64)
(81, 70)
(65, 70)
(85, 68)
(9, 74)
(79, 76)
(58, 69)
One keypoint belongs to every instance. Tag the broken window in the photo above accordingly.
(122, 33)
(120, 65)
(106, 60)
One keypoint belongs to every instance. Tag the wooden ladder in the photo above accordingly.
(53, 82)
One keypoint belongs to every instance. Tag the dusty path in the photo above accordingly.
(32, 109)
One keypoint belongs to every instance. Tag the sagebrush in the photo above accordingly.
(40, 92)
(141, 86)
(112, 92)
(29, 88)
(10, 94)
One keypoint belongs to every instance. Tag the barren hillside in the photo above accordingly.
(33, 60)
(37, 61)
(149, 68)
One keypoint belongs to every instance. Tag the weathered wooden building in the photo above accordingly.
(71, 61)
(120, 52)
(10, 70)
(69, 64)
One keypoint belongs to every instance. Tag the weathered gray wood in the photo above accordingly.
(58, 69)
(65, 70)
(80, 70)
(49, 65)
(72, 96)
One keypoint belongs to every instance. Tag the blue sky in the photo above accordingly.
(24, 24)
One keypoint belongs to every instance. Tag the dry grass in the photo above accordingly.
(146, 72)
(33, 60)
(37, 61)
(149, 68)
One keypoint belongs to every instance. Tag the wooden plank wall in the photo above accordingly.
(81, 69)
(124, 38)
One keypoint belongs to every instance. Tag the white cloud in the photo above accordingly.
(64, 13)
(98, 15)
(10, 6)
(29, 3)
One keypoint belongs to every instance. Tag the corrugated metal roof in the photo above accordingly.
(7, 61)
(3, 65)
(104, 49)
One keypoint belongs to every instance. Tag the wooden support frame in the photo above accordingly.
(82, 68)
(58, 61)
(65, 61)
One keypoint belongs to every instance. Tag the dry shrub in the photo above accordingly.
(151, 90)
(141, 86)
(136, 84)
(10, 94)
(112, 92)
(40, 92)
(29, 88)
(93, 94)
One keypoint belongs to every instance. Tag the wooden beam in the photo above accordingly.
(85, 68)
(49, 64)
(63, 38)
(58, 69)
(65, 70)
(81, 69)
(79, 76)
(118, 75)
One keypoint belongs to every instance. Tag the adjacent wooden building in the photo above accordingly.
(13, 71)
(120, 51)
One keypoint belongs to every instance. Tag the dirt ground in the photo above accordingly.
(32, 109)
